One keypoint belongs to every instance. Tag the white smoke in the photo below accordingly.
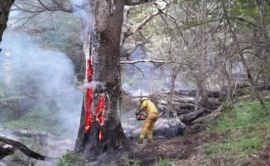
(44, 75)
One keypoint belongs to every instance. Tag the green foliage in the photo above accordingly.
(245, 9)
(235, 146)
(70, 159)
(70, 43)
(244, 115)
(164, 162)
(6, 115)
(40, 118)
(244, 128)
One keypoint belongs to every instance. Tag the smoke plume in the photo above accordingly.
(38, 75)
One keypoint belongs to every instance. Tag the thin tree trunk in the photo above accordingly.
(169, 112)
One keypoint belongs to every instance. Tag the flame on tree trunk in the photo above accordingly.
(100, 111)
(88, 97)
(92, 121)
(100, 127)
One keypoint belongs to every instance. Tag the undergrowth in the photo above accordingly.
(245, 128)
(71, 159)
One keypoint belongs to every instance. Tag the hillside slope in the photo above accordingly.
(239, 136)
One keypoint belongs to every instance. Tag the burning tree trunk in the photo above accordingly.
(100, 128)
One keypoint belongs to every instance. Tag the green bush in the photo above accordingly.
(71, 159)
(39, 118)
(164, 162)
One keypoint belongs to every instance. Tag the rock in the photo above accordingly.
(163, 102)
(127, 127)
(161, 107)
(169, 128)
(164, 128)
(3, 164)
(135, 133)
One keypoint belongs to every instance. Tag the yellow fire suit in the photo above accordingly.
(148, 125)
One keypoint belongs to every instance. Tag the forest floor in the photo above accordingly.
(240, 136)
(188, 151)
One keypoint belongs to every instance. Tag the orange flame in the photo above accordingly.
(100, 111)
(87, 110)
(88, 98)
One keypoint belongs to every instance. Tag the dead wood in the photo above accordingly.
(189, 117)
(6, 151)
(24, 133)
(209, 117)
(24, 149)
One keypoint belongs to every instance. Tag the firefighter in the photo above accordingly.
(152, 116)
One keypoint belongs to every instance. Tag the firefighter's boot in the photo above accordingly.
(140, 140)
(150, 136)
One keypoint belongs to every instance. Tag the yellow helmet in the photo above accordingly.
(144, 98)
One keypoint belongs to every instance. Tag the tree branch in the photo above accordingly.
(139, 26)
(136, 2)
(23, 149)
(145, 61)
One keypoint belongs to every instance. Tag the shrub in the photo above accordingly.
(70, 159)
(164, 162)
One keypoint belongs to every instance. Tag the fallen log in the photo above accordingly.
(189, 117)
(24, 149)
(209, 117)
(24, 133)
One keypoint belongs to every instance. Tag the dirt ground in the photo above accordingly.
(187, 151)
(178, 148)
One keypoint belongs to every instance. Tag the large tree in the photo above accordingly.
(100, 129)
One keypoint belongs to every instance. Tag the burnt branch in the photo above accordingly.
(24, 149)
(6, 151)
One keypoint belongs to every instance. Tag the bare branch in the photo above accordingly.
(138, 61)
(137, 2)
(144, 22)
(58, 7)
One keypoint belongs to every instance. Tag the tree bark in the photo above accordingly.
(4, 12)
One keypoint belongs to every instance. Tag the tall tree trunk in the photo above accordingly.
(5, 6)
(100, 128)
